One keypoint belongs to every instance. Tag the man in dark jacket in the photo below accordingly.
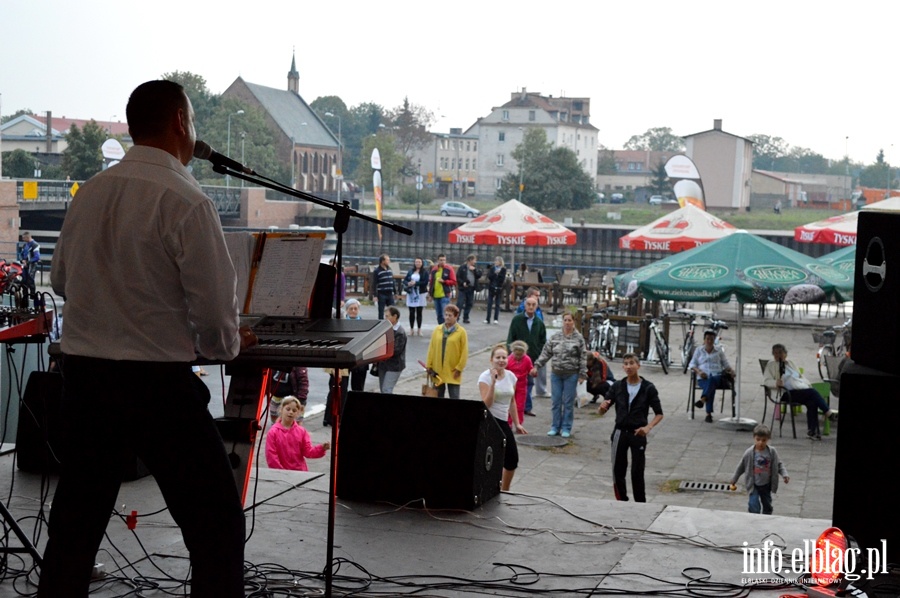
(466, 278)
(633, 397)
(383, 279)
(528, 327)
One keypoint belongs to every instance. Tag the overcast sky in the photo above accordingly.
(813, 73)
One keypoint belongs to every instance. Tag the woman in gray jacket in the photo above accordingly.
(569, 354)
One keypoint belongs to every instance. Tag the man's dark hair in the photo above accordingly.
(709, 332)
(150, 107)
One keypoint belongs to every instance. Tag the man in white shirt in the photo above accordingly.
(711, 366)
(148, 283)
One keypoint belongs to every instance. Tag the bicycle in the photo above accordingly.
(659, 348)
(604, 337)
(827, 347)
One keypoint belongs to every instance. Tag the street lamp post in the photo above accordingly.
(459, 189)
(888, 164)
(522, 169)
(228, 145)
(243, 135)
(340, 174)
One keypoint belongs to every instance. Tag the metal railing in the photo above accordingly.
(226, 199)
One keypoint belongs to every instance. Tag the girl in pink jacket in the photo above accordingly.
(288, 443)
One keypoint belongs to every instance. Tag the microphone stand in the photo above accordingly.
(342, 216)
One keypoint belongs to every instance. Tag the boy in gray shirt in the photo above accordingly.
(762, 467)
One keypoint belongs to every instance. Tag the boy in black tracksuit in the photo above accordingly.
(633, 397)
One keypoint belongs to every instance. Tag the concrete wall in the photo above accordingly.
(259, 212)
(9, 218)
(725, 164)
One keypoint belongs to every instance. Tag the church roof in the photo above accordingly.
(290, 111)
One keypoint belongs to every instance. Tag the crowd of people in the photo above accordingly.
(509, 385)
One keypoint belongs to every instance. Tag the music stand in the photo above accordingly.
(27, 546)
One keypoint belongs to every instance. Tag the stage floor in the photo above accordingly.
(514, 545)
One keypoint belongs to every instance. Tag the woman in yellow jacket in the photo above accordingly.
(447, 353)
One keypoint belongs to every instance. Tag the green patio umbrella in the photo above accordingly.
(844, 259)
(746, 267)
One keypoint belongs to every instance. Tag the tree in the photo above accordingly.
(392, 161)
(553, 178)
(877, 175)
(805, 160)
(15, 114)
(362, 122)
(203, 100)
(534, 150)
(657, 139)
(409, 123)
(18, 164)
(767, 151)
(82, 158)
(606, 162)
(659, 181)
(563, 183)
(249, 128)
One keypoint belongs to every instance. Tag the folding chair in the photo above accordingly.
(781, 403)
(728, 384)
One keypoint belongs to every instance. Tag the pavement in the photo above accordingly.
(680, 449)
(560, 518)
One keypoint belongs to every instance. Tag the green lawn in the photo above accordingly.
(642, 214)
(637, 215)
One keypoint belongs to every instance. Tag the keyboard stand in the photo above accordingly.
(240, 425)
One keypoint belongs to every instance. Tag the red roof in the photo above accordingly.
(61, 123)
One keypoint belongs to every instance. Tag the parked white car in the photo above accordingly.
(458, 208)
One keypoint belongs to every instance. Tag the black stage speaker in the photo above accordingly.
(398, 449)
(38, 436)
(321, 302)
(39, 445)
(868, 450)
(876, 291)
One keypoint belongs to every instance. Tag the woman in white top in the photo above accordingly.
(498, 391)
(415, 286)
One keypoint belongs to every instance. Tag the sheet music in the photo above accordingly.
(287, 274)
(240, 247)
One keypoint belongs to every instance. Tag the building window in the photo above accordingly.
(502, 136)
(506, 115)
(467, 164)
(474, 146)
(532, 115)
(498, 183)
(499, 159)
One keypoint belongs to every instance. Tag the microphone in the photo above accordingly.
(204, 152)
